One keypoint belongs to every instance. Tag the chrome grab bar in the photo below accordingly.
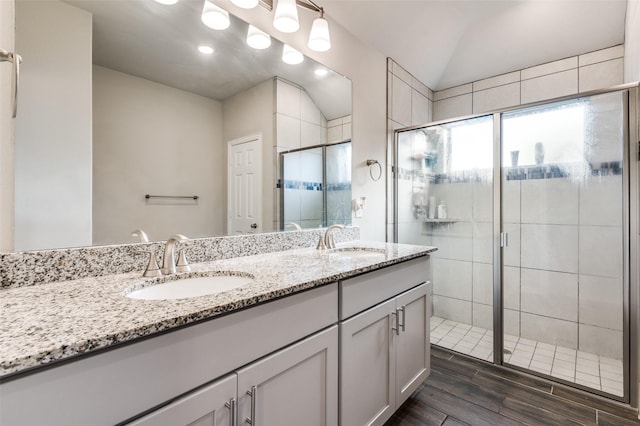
(15, 59)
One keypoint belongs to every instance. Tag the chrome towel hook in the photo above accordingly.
(15, 59)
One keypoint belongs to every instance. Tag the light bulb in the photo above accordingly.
(206, 50)
(319, 39)
(291, 56)
(169, 2)
(215, 17)
(286, 16)
(258, 39)
(245, 4)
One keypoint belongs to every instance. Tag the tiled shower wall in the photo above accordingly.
(582, 308)
(593, 70)
(562, 267)
(409, 102)
(299, 124)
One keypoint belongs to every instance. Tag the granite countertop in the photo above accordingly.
(51, 322)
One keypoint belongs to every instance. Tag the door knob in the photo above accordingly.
(254, 226)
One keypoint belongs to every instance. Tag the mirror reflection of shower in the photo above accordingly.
(315, 186)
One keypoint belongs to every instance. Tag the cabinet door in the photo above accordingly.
(295, 386)
(209, 406)
(413, 346)
(368, 367)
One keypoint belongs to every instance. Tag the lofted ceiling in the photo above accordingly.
(445, 43)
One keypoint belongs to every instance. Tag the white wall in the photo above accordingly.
(7, 42)
(53, 136)
(632, 42)
(594, 70)
(251, 113)
(366, 68)
(136, 120)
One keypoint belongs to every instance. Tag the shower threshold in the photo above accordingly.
(583, 368)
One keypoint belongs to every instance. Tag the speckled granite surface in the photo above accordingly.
(37, 267)
(43, 324)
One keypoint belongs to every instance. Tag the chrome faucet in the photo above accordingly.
(139, 233)
(327, 241)
(169, 257)
(294, 225)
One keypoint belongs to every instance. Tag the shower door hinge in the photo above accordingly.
(504, 239)
(279, 184)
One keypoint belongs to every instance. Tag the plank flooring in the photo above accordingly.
(464, 391)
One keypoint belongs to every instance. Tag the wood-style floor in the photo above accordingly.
(462, 391)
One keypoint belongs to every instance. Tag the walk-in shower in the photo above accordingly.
(529, 208)
(315, 185)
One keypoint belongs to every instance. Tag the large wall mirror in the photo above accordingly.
(117, 102)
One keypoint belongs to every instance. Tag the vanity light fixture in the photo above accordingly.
(258, 39)
(319, 38)
(291, 56)
(285, 18)
(215, 17)
(245, 4)
(206, 50)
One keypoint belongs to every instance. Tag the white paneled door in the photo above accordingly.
(244, 186)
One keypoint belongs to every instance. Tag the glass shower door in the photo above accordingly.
(563, 249)
(444, 179)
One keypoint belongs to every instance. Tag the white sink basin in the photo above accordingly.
(352, 252)
(190, 287)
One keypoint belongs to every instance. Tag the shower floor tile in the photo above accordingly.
(597, 372)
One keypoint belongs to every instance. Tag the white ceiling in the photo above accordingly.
(444, 43)
(158, 43)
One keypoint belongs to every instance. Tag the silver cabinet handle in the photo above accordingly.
(253, 393)
(15, 59)
(233, 410)
(404, 313)
(396, 316)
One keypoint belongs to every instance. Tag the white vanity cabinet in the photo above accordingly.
(384, 352)
(118, 385)
(214, 404)
(297, 385)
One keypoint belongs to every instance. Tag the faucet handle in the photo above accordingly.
(183, 264)
(153, 270)
(321, 245)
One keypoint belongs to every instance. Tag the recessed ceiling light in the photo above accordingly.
(321, 72)
(167, 1)
(207, 50)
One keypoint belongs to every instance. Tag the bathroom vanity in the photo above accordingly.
(312, 327)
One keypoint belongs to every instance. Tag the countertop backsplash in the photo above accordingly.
(38, 267)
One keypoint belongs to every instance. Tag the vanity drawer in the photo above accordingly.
(364, 291)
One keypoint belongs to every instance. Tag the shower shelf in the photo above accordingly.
(441, 221)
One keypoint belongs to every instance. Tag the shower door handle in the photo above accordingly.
(15, 78)
(504, 239)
